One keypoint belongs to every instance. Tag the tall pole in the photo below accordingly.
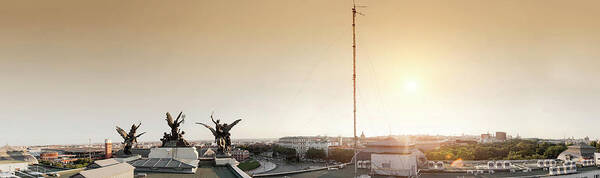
(354, 83)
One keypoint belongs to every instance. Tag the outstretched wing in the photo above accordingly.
(209, 127)
(135, 138)
(122, 132)
(140, 135)
(180, 116)
(169, 119)
(233, 124)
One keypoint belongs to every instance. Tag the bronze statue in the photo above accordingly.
(221, 133)
(175, 138)
(129, 138)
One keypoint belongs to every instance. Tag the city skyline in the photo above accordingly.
(72, 71)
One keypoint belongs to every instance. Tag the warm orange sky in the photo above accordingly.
(72, 70)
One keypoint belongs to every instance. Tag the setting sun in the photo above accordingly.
(410, 86)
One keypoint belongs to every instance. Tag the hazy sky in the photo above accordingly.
(72, 70)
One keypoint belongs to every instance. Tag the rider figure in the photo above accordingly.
(219, 127)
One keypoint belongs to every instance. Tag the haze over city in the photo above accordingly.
(73, 70)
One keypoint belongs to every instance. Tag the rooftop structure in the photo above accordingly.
(107, 148)
(205, 169)
(391, 157)
(167, 165)
(577, 152)
(117, 170)
(103, 163)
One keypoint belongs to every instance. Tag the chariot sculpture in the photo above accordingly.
(129, 138)
(175, 138)
(221, 134)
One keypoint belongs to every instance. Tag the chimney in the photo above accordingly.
(107, 148)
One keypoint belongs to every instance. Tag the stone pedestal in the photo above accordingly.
(225, 161)
(185, 153)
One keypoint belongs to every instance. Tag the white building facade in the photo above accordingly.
(301, 144)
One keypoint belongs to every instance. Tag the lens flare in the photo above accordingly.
(457, 163)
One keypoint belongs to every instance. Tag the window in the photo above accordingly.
(386, 165)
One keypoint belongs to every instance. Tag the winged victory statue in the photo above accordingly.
(221, 134)
(129, 138)
(175, 138)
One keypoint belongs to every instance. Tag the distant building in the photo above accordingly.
(81, 152)
(489, 138)
(301, 144)
(485, 138)
(121, 170)
(49, 156)
(240, 154)
(107, 148)
(362, 137)
(577, 152)
(501, 136)
(574, 141)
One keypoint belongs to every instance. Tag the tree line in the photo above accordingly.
(516, 149)
(290, 154)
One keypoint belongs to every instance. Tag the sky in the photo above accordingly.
(73, 70)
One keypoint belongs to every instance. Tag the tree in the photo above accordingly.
(313, 153)
(553, 151)
(288, 153)
(83, 161)
(256, 148)
(511, 149)
(341, 155)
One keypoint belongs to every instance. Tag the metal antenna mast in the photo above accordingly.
(354, 82)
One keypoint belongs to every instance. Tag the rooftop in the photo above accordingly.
(11, 161)
(106, 162)
(205, 169)
(161, 162)
(108, 170)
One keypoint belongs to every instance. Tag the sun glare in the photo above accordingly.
(410, 86)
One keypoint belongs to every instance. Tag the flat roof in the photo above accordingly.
(108, 170)
(219, 171)
(11, 161)
(205, 169)
(161, 162)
